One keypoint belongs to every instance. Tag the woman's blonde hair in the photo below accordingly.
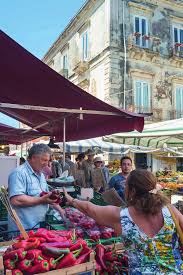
(140, 182)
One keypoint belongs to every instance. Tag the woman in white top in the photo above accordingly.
(146, 226)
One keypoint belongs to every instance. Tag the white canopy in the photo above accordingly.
(81, 146)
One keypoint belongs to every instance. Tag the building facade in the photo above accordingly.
(128, 53)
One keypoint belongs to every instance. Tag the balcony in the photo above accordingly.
(154, 114)
(64, 73)
(177, 50)
(174, 114)
(144, 47)
(81, 67)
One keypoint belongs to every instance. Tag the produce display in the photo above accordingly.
(114, 167)
(170, 180)
(87, 226)
(108, 261)
(47, 250)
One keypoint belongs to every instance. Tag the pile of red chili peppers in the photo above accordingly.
(47, 250)
(109, 262)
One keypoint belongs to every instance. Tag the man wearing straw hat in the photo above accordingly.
(25, 185)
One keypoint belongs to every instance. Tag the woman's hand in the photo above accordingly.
(67, 196)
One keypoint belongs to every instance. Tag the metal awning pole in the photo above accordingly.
(64, 129)
(21, 149)
(26, 149)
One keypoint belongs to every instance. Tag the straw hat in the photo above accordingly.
(97, 159)
(90, 152)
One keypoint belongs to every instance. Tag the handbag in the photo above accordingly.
(179, 230)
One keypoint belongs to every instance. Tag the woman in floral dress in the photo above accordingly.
(146, 226)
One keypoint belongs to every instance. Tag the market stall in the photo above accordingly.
(161, 143)
(44, 100)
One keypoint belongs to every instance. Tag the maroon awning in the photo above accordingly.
(11, 135)
(24, 79)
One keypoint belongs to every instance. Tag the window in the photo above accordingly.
(65, 62)
(178, 38)
(141, 31)
(84, 42)
(179, 101)
(142, 96)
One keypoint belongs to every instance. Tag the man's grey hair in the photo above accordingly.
(39, 149)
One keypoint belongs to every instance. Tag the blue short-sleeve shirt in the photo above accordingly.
(118, 183)
(24, 181)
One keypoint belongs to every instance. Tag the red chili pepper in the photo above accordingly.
(43, 266)
(31, 233)
(41, 239)
(53, 262)
(17, 272)
(33, 254)
(24, 264)
(69, 259)
(65, 244)
(46, 257)
(109, 256)
(12, 255)
(106, 235)
(56, 239)
(42, 233)
(78, 244)
(84, 257)
(100, 252)
(98, 269)
(64, 233)
(9, 264)
(31, 243)
(43, 193)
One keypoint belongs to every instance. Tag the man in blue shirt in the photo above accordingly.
(25, 185)
(118, 181)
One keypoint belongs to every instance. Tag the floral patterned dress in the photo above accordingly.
(157, 255)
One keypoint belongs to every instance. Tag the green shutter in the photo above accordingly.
(146, 97)
(138, 95)
(178, 102)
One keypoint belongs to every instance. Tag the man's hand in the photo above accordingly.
(46, 199)
(57, 207)
(29, 201)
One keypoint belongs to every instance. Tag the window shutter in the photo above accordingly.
(144, 27)
(175, 35)
(65, 62)
(144, 32)
(181, 36)
(86, 46)
(137, 29)
(146, 97)
(138, 95)
(83, 47)
(178, 102)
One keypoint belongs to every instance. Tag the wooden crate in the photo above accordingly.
(88, 267)
(1, 266)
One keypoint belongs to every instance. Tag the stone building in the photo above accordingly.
(128, 53)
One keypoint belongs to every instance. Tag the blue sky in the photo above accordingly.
(35, 24)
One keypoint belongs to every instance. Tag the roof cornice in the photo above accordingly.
(70, 25)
